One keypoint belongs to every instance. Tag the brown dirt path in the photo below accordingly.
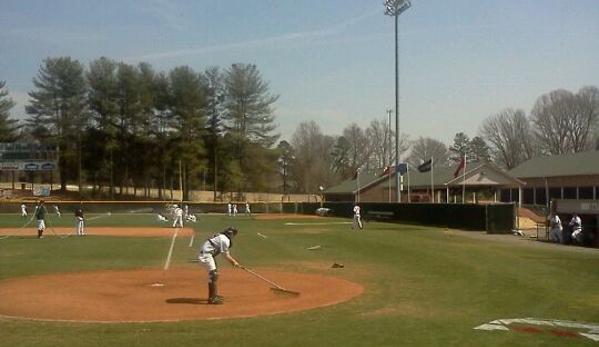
(102, 231)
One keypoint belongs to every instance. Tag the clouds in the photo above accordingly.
(277, 40)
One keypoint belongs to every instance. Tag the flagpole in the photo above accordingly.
(358, 182)
(408, 171)
(464, 182)
(432, 180)
(389, 182)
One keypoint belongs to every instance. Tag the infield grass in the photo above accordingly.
(423, 286)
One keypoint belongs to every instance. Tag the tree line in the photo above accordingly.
(118, 125)
(560, 122)
(121, 125)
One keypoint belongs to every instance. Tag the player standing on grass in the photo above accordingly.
(23, 210)
(212, 247)
(57, 211)
(357, 222)
(178, 217)
(40, 214)
(80, 220)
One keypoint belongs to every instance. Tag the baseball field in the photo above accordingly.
(134, 281)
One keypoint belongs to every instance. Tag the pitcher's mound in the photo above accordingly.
(159, 295)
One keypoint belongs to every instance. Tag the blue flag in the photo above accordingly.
(402, 168)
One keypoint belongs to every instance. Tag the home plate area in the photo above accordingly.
(149, 295)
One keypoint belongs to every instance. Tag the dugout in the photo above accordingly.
(587, 210)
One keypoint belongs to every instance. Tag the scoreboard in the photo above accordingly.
(28, 156)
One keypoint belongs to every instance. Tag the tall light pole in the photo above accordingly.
(395, 8)
(390, 157)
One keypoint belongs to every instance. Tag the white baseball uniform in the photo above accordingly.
(178, 217)
(357, 223)
(217, 244)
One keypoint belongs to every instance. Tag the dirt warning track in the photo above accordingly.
(101, 231)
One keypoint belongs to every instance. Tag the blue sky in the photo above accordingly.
(331, 61)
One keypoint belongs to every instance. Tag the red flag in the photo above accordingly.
(460, 166)
(387, 170)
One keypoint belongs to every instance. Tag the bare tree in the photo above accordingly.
(314, 162)
(379, 137)
(509, 137)
(358, 143)
(584, 128)
(380, 140)
(551, 117)
(425, 148)
(564, 122)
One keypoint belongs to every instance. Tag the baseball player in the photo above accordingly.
(229, 209)
(23, 210)
(57, 211)
(234, 210)
(576, 225)
(218, 243)
(80, 220)
(357, 222)
(178, 217)
(161, 218)
(555, 231)
(40, 214)
(247, 208)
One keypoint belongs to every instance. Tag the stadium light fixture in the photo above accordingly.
(395, 8)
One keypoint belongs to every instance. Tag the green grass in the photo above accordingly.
(423, 287)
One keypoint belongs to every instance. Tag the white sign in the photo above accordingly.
(588, 330)
(593, 206)
(27, 165)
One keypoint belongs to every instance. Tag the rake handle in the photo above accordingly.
(262, 278)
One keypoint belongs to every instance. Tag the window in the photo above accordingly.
(555, 193)
(585, 192)
(541, 197)
(527, 196)
(569, 192)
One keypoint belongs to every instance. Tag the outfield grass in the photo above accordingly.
(424, 287)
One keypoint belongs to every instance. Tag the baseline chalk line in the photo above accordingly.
(170, 251)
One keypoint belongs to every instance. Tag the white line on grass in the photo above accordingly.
(170, 251)
(317, 223)
(107, 214)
